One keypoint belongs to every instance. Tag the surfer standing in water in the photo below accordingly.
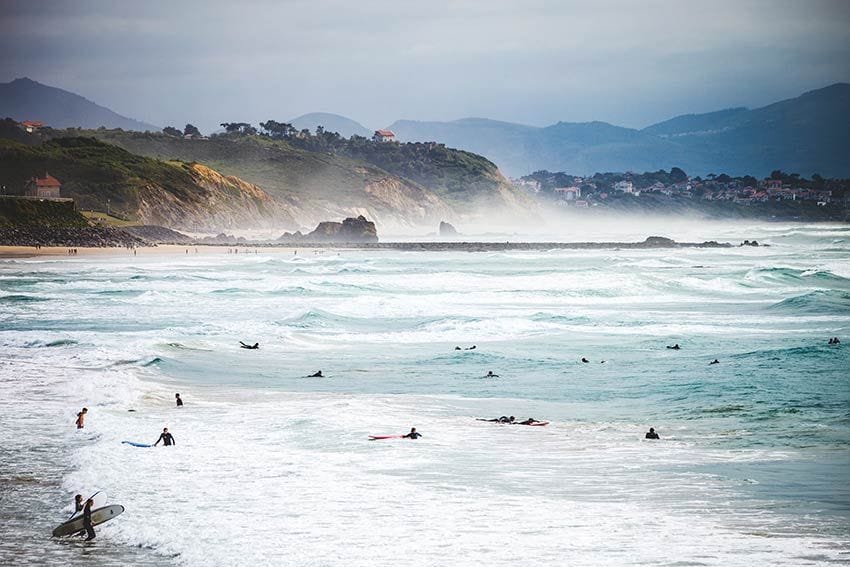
(78, 503)
(81, 418)
(412, 435)
(179, 401)
(651, 434)
(166, 437)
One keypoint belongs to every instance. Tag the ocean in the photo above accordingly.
(274, 468)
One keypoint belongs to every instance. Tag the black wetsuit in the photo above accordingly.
(652, 435)
(87, 523)
(412, 435)
(167, 439)
(179, 403)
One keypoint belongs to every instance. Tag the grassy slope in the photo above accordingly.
(25, 212)
(100, 176)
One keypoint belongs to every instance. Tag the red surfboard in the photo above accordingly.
(376, 437)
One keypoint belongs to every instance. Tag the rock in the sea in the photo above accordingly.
(446, 229)
(658, 242)
(349, 230)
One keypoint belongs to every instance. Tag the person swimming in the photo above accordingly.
(81, 418)
(651, 434)
(254, 346)
(715, 361)
(674, 347)
(491, 375)
(317, 374)
(583, 359)
(412, 435)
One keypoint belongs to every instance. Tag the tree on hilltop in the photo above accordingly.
(190, 130)
(278, 130)
(172, 131)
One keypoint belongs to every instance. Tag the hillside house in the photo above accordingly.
(31, 126)
(568, 193)
(47, 187)
(383, 136)
(625, 186)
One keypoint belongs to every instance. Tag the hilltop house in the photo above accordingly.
(47, 187)
(31, 125)
(383, 136)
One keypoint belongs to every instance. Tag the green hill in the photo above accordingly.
(104, 177)
(326, 176)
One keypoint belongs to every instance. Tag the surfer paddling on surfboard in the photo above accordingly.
(254, 346)
(412, 435)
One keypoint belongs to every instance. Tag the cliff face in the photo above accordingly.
(214, 202)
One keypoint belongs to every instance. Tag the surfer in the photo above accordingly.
(458, 348)
(674, 347)
(179, 401)
(81, 418)
(491, 375)
(528, 421)
(412, 435)
(166, 437)
(78, 503)
(583, 359)
(254, 346)
(473, 347)
(87, 524)
(503, 419)
(651, 434)
(715, 361)
(317, 374)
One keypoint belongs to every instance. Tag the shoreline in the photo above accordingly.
(652, 243)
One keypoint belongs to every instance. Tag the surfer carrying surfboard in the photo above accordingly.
(87, 523)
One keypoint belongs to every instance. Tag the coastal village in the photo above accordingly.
(601, 190)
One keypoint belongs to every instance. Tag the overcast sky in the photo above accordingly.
(627, 62)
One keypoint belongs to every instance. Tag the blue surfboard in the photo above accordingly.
(134, 444)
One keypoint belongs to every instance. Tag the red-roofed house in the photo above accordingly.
(31, 125)
(384, 136)
(46, 187)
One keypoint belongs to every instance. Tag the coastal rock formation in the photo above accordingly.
(158, 234)
(89, 237)
(447, 230)
(349, 230)
(354, 230)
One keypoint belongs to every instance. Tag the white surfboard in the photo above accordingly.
(99, 498)
(97, 517)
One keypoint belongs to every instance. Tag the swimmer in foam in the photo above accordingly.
(674, 347)
(317, 374)
(254, 346)
(412, 435)
(166, 438)
(715, 361)
(491, 375)
(651, 434)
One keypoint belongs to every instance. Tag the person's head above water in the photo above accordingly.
(176, 395)
(413, 430)
(652, 430)
(165, 430)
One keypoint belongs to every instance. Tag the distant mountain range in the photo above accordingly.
(25, 99)
(808, 134)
